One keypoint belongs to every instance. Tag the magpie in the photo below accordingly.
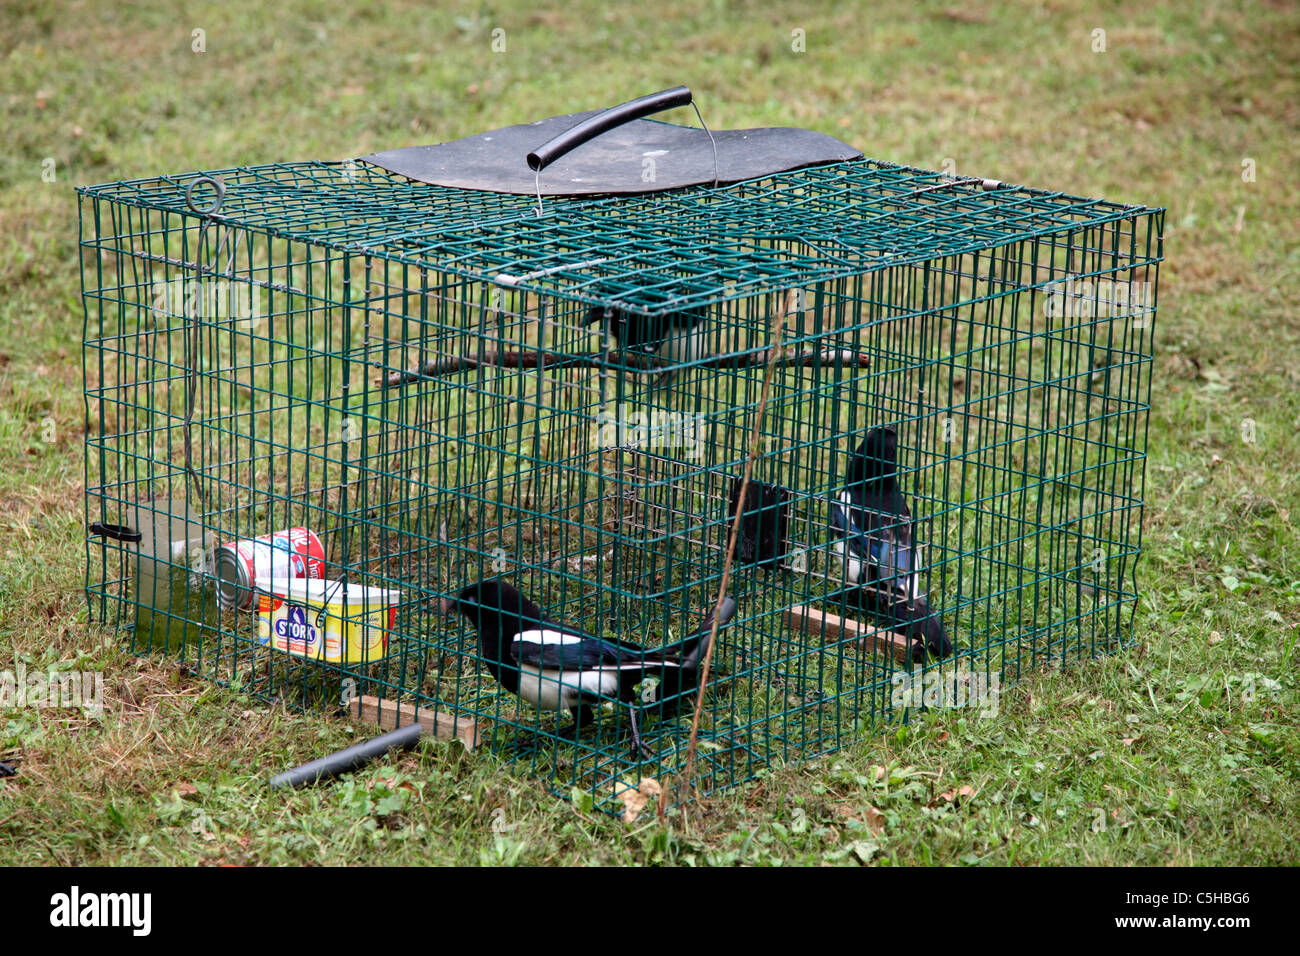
(873, 540)
(675, 337)
(554, 666)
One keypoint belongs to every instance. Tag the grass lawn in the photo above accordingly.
(1183, 751)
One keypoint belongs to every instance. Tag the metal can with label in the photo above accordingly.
(243, 566)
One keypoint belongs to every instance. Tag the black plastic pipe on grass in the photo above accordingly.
(325, 768)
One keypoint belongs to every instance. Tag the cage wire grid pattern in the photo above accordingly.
(411, 372)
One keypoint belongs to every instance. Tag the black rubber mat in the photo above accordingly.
(639, 157)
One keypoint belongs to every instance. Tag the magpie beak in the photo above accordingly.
(557, 667)
(873, 538)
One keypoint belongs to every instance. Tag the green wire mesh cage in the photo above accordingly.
(443, 386)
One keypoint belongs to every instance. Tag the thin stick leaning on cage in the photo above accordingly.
(755, 450)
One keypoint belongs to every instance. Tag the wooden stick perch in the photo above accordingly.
(451, 364)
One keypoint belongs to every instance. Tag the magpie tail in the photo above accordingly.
(915, 619)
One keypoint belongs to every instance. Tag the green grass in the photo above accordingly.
(1181, 751)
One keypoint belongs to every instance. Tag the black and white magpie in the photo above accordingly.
(674, 337)
(873, 540)
(557, 667)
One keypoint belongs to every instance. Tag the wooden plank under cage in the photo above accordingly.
(806, 619)
(386, 713)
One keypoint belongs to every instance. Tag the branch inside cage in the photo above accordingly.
(452, 364)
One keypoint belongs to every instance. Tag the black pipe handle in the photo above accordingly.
(120, 532)
(603, 122)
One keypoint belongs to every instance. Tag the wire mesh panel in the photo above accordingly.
(406, 390)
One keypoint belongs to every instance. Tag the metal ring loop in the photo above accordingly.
(210, 210)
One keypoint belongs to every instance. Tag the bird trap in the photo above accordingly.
(547, 355)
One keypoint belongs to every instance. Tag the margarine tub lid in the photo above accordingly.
(326, 591)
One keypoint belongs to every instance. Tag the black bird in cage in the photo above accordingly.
(915, 620)
(874, 541)
(557, 667)
(674, 338)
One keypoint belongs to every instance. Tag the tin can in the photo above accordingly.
(243, 566)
